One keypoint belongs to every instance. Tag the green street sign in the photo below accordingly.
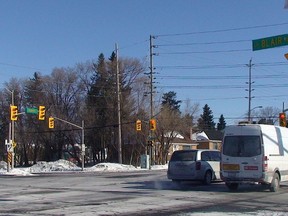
(31, 111)
(270, 42)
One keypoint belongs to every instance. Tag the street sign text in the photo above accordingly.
(270, 42)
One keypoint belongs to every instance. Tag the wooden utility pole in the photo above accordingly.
(118, 108)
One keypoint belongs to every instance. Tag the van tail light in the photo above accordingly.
(198, 165)
(265, 163)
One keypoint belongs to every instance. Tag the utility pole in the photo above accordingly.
(151, 76)
(118, 108)
(151, 133)
(249, 90)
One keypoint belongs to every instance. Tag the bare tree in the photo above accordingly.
(168, 124)
(267, 115)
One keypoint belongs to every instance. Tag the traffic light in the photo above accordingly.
(51, 122)
(150, 143)
(152, 124)
(41, 114)
(13, 113)
(138, 125)
(282, 119)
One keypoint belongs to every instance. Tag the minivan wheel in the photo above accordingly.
(207, 178)
(275, 184)
(232, 186)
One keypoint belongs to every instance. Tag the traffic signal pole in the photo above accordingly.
(82, 137)
(11, 132)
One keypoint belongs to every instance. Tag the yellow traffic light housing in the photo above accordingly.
(51, 122)
(138, 125)
(152, 124)
(282, 119)
(41, 114)
(13, 113)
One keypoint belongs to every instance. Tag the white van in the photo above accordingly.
(254, 153)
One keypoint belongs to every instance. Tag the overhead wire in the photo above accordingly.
(171, 44)
(222, 30)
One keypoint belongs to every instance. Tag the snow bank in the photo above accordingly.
(67, 166)
(60, 165)
(111, 167)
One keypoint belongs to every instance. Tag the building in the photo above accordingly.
(210, 139)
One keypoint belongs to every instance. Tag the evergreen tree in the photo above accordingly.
(205, 122)
(221, 124)
(169, 100)
(101, 103)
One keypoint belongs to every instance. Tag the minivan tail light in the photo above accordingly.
(265, 163)
(198, 165)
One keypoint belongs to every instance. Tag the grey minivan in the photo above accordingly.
(194, 165)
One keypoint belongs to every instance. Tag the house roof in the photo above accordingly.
(214, 134)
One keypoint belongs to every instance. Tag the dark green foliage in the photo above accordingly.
(205, 122)
(221, 124)
(169, 100)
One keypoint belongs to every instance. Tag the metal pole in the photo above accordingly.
(118, 109)
(83, 146)
(9, 137)
(13, 133)
(82, 137)
(249, 91)
(151, 99)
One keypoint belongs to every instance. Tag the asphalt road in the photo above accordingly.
(132, 193)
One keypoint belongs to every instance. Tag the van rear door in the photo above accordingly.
(182, 164)
(241, 157)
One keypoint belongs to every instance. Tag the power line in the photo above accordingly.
(223, 86)
(222, 30)
(205, 52)
(279, 76)
(202, 43)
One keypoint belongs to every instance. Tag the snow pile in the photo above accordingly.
(3, 165)
(159, 167)
(60, 165)
(67, 166)
(111, 167)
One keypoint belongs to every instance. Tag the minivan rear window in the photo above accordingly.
(184, 156)
(242, 146)
(210, 156)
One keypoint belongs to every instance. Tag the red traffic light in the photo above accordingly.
(282, 119)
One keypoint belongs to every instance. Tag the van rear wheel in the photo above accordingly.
(232, 186)
(275, 184)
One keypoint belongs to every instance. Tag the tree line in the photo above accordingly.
(88, 92)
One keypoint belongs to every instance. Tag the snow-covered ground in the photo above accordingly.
(67, 166)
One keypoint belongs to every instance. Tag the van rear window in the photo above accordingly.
(184, 156)
(242, 146)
